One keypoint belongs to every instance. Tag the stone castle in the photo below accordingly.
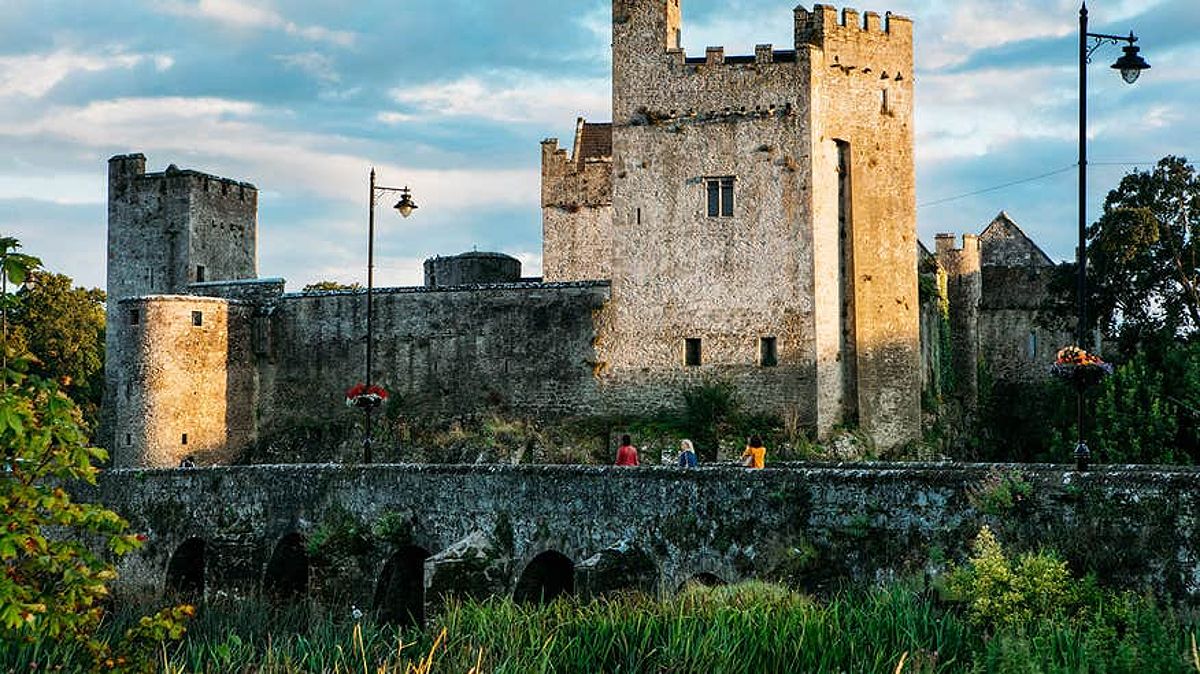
(749, 219)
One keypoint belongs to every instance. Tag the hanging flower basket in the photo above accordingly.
(365, 397)
(1079, 368)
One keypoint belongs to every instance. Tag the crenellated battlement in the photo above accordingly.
(823, 23)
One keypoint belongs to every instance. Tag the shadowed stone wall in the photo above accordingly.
(478, 528)
(525, 347)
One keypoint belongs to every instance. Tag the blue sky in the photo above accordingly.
(452, 98)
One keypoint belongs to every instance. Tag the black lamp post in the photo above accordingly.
(1131, 66)
(405, 207)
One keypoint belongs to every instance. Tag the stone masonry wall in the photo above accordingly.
(964, 290)
(576, 213)
(473, 268)
(1019, 337)
(815, 525)
(525, 347)
(679, 274)
(187, 382)
(861, 93)
(161, 228)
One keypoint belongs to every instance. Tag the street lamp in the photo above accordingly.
(405, 207)
(1131, 66)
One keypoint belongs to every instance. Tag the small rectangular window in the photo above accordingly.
(135, 317)
(1032, 344)
(199, 273)
(128, 439)
(727, 197)
(183, 440)
(691, 348)
(768, 356)
(197, 318)
(719, 193)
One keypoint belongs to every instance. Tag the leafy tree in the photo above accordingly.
(53, 582)
(14, 267)
(1144, 254)
(60, 329)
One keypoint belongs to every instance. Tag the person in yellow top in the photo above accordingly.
(755, 455)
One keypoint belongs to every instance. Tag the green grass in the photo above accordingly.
(753, 627)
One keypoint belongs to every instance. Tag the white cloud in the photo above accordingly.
(315, 64)
(981, 112)
(70, 189)
(508, 97)
(237, 136)
(34, 75)
(243, 16)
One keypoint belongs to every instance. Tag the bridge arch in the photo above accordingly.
(287, 571)
(400, 592)
(546, 577)
(703, 579)
(186, 569)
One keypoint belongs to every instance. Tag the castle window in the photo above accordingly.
(135, 317)
(128, 439)
(197, 318)
(768, 354)
(199, 273)
(720, 196)
(183, 440)
(885, 106)
(1032, 344)
(691, 351)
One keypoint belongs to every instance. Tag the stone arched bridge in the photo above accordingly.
(398, 536)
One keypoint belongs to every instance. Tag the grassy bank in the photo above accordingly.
(752, 627)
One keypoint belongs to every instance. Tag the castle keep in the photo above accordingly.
(755, 215)
(747, 219)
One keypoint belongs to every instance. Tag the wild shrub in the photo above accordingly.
(54, 581)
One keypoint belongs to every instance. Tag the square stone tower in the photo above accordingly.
(763, 220)
(167, 231)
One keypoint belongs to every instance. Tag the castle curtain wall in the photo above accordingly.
(526, 348)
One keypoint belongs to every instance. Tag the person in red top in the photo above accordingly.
(627, 453)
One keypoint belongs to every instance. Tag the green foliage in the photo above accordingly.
(54, 583)
(1149, 410)
(14, 266)
(709, 411)
(999, 492)
(1026, 421)
(60, 330)
(1136, 423)
(1145, 254)
(331, 286)
(394, 527)
(1001, 593)
(751, 627)
(340, 536)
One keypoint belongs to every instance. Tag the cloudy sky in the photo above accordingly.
(452, 97)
